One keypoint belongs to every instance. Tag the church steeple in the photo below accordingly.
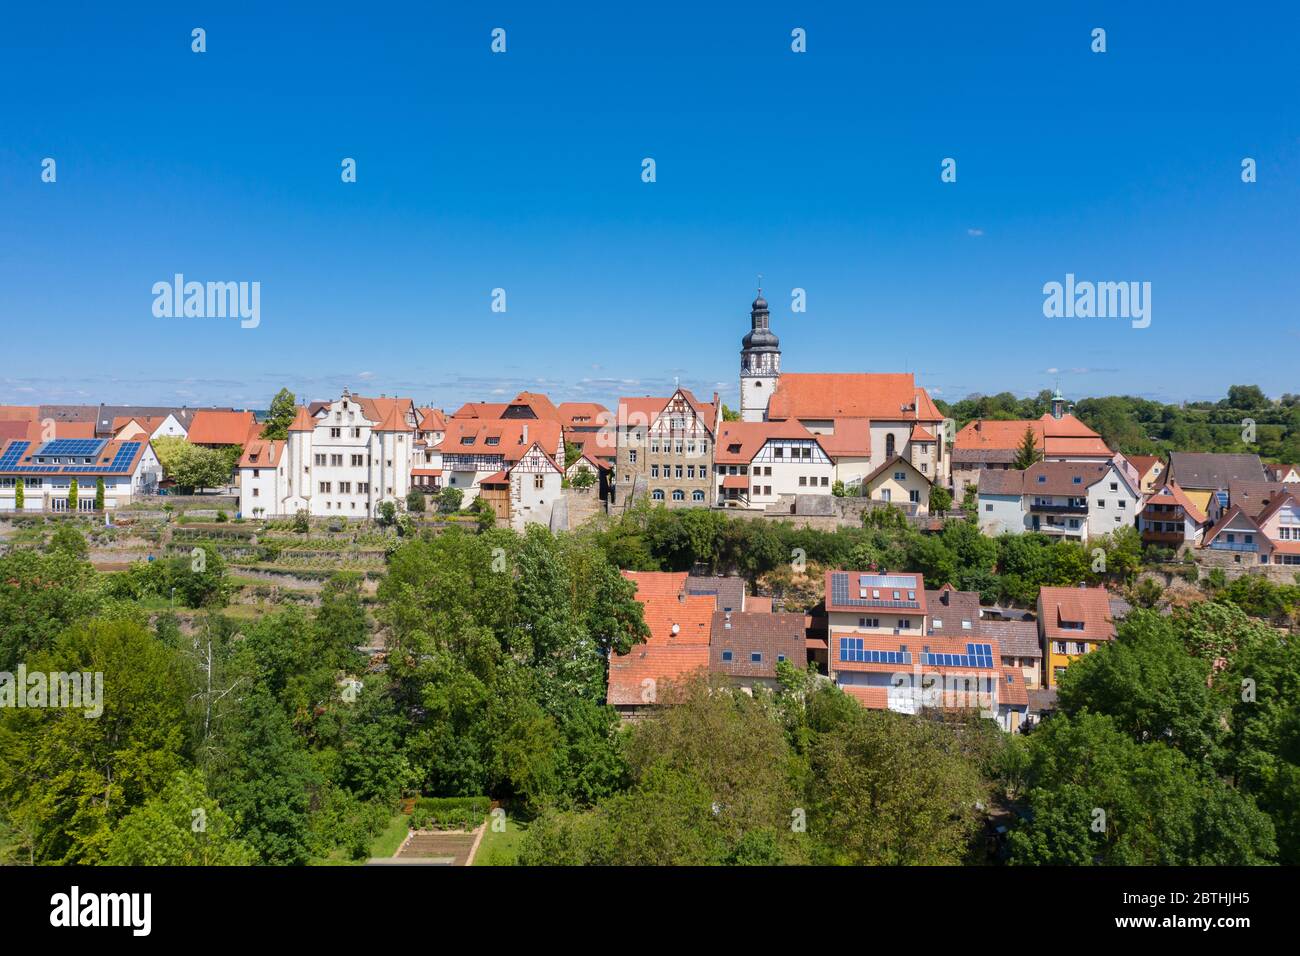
(760, 363)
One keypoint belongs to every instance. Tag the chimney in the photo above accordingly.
(727, 622)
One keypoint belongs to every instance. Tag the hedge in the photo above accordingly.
(450, 813)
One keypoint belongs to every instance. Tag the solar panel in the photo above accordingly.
(72, 446)
(12, 454)
(904, 581)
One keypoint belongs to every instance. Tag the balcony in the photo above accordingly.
(1055, 509)
(1218, 545)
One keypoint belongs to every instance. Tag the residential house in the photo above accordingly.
(1072, 622)
(1251, 495)
(1288, 473)
(665, 448)
(426, 468)
(46, 470)
(263, 483)
(1169, 518)
(987, 444)
(746, 646)
(886, 652)
(897, 481)
(1260, 532)
(1150, 471)
(680, 627)
(1201, 474)
(755, 463)
(147, 427)
(514, 464)
(1077, 500)
(1018, 641)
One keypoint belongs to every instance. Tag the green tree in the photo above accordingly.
(281, 415)
(67, 780)
(68, 540)
(20, 495)
(415, 501)
(940, 499)
(99, 494)
(729, 414)
(1028, 452)
(40, 596)
(181, 826)
(72, 495)
(449, 500)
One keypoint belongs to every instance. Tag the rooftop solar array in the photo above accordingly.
(13, 453)
(851, 650)
(977, 655)
(16, 459)
(900, 592)
(79, 447)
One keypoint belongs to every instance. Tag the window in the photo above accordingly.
(256, 492)
(358, 461)
(495, 440)
(539, 482)
(726, 656)
(697, 495)
(657, 494)
(345, 487)
(988, 507)
(778, 452)
(914, 496)
(868, 622)
(325, 487)
(690, 471)
(631, 456)
(654, 471)
(1101, 502)
(803, 481)
(336, 433)
(904, 622)
(900, 476)
(756, 657)
(679, 495)
(767, 489)
(356, 433)
(320, 460)
(678, 471)
(758, 489)
(336, 461)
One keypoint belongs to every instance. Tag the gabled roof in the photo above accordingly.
(1254, 496)
(645, 410)
(1171, 493)
(1234, 518)
(539, 404)
(895, 462)
(1054, 437)
(958, 618)
(728, 589)
(544, 453)
(583, 414)
(637, 677)
(744, 634)
(1072, 478)
(880, 396)
(25, 459)
(480, 410)
(851, 438)
(221, 428)
(504, 437)
(1015, 638)
(1210, 471)
(1091, 606)
(378, 410)
(738, 442)
(858, 591)
(1143, 463)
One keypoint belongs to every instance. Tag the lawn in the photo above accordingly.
(501, 849)
(384, 845)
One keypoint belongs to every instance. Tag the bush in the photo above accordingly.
(221, 517)
(450, 813)
(301, 521)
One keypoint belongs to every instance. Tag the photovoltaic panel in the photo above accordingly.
(13, 454)
(72, 446)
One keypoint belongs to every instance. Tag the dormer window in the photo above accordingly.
(1042, 479)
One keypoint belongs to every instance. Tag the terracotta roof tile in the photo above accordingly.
(1091, 606)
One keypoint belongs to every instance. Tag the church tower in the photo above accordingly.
(760, 364)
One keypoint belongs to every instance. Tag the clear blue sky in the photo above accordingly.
(522, 171)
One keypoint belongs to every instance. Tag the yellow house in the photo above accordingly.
(899, 482)
(1071, 622)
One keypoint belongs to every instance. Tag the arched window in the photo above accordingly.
(679, 495)
(889, 446)
(697, 495)
(657, 494)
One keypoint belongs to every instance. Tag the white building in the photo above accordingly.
(354, 454)
(757, 462)
(1077, 500)
(46, 470)
(512, 463)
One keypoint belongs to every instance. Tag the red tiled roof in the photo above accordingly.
(471, 436)
(594, 414)
(222, 428)
(303, 422)
(262, 453)
(1088, 605)
(852, 439)
(885, 397)
(740, 482)
(432, 420)
(738, 442)
(665, 656)
(1169, 493)
(480, 410)
(904, 603)
(394, 420)
(1143, 463)
(1054, 437)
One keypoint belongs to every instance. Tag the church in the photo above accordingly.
(864, 421)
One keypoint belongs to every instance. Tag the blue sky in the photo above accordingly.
(522, 171)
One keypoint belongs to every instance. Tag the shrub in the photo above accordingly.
(450, 813)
